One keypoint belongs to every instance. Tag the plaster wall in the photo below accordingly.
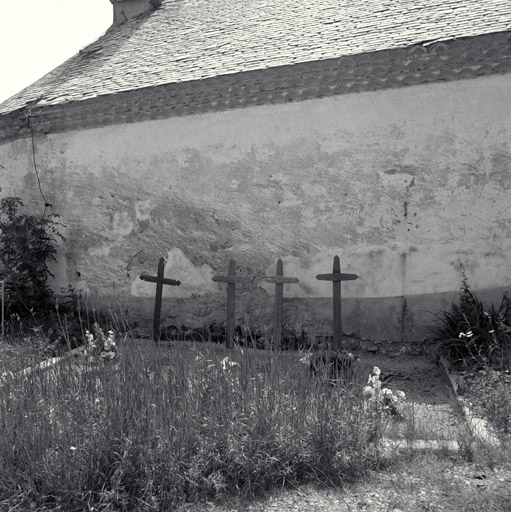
(408, 186)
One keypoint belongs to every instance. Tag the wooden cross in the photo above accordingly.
(336, 277)
(279, 281)
(231, 279)
(160, 281)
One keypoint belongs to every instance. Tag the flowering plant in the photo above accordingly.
(382, 400)
(473, 334)
(99, 345)
(227, 363)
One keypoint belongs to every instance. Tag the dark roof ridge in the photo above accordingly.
(463, 58)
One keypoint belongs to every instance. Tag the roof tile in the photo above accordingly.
(188, 40)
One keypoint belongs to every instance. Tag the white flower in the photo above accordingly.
(226, 363)
(109, 343)
(368, 392)
(374, 381)
(306, 359)
(376, 371)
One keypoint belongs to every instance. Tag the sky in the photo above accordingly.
(38, 35)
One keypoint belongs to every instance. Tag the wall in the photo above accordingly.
(408, 186)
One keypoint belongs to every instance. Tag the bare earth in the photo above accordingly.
(420, 377)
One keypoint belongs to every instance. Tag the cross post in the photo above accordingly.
(336, 277)
(160, 280)
(279, 281)
(231, 279)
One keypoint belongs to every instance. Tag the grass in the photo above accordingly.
(22, 351)
(436, 481)
(409, 481)
(489, 392)
(158, 428)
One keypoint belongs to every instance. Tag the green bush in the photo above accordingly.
(474, 335)
(27, 244)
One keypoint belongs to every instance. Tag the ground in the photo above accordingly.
(424, 482)
(428, 481)
(420, 377)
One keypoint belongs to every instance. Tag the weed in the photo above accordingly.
(473, 335)
(165, 427)
(490, 393)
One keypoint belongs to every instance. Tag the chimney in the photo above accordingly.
(126, 9)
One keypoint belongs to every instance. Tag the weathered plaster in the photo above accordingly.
(405, 185)
(196, 281)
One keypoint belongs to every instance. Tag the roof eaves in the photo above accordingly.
(426, 62)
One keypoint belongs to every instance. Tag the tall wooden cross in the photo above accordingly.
(160, 281)
(336, 277)
(279, 281)
(231, 279)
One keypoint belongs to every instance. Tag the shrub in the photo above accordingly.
(27, 244)
(474, 335)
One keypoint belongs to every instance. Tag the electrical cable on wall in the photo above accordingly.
(64, 67)
(46, 203)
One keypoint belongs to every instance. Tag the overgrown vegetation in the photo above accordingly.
(28, 244)
(477, 339)
(490, 394)
(133, 426)
(148, 430)
(474, 335)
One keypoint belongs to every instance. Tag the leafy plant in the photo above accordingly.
(489, 391)
(473, 334)
(27, 244)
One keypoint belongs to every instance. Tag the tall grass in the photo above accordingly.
(157, 428)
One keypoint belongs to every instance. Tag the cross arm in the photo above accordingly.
(280, 280)
(337, 277)
(165, 280)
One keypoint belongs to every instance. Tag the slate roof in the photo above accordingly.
(188, 40)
